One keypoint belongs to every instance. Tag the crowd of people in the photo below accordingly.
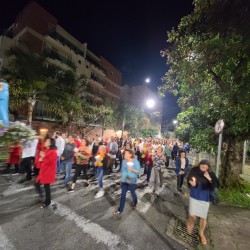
(51, 158)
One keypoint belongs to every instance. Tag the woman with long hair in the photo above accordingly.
(82, 155)
(47, 171)
(130, 171)
(201, 181)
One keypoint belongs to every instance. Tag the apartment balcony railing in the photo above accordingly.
(56, 56)
(65, 42)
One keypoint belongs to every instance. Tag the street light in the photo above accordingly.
(147, 80)
(150, 103)
(175, 122)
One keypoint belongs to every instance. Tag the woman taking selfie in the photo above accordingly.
(201, 181)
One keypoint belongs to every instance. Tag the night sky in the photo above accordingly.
(129, 34)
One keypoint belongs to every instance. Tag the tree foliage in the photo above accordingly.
(32, 78)
(210, 72)
(135, 121)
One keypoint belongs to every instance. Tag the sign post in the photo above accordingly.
(218, 130)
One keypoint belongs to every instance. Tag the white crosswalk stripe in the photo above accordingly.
(97, 232)
(5, 244)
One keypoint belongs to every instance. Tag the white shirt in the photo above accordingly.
(29, 149)
(60, 144)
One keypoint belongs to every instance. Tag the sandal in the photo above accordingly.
(117, 212)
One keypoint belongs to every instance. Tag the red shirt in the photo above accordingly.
(148, 159)
(47, 171)
(14, 157)
(78, 143)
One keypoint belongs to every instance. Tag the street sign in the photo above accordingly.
(219, 126)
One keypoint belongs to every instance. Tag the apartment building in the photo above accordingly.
(41, 31)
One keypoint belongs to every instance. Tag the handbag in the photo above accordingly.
(214, 197)
(129, 180)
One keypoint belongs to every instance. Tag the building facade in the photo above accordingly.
(40, 30)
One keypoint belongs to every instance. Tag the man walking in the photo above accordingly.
(113, 149)
(60, 144)
(28, 155)
(67, 158)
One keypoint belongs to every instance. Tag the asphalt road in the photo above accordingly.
(79, 221)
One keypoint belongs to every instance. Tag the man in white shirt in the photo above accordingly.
(28, 155)
(60, 144)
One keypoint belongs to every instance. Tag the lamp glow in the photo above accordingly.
(150, 103)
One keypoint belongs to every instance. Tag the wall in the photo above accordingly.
(34, 16)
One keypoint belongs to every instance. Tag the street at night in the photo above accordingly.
(78, 221)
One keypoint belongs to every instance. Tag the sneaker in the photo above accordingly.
(133, 205)
(71, 190)
(99, 194)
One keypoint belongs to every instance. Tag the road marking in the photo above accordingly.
(144, 206)
(5, 244)
(97, 232)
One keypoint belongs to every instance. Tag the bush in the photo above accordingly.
(238, 195)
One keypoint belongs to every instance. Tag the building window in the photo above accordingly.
(42, 112)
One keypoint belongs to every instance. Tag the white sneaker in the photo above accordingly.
(99, 194)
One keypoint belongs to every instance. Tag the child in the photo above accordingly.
(14, 157)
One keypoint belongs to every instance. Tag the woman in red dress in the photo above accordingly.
(14, 157)
(47, 171)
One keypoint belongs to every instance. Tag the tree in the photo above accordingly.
(129, 118)
(33, 79)
(210, 71)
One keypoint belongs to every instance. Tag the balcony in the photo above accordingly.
(65, 42)
(60, 60)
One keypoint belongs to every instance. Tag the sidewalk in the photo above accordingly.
(228, 227)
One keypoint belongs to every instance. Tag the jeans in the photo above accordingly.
(167, 161)
(158, 179)
(58, 165)
(125, 188)
(148, 172)
(79, 169)
(100, 176)
(180, 179)
(67, 165)
(47, 192)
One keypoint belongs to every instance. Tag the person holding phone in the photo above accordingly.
(201, 181)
